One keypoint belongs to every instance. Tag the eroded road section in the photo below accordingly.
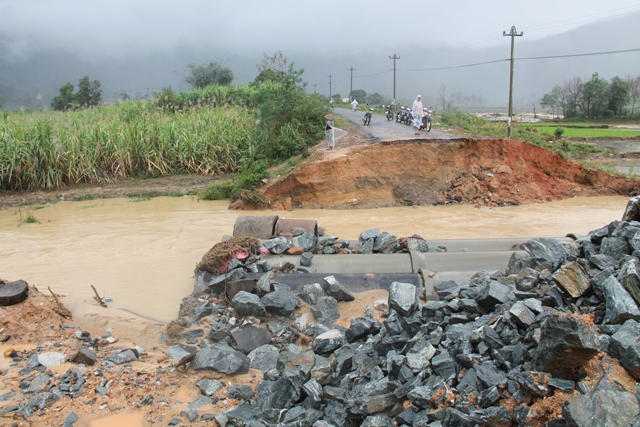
(382, 129)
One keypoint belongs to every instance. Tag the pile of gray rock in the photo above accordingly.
(369, 241)
(41, 388)
(487, 352)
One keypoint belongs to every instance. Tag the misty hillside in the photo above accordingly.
(32, 81)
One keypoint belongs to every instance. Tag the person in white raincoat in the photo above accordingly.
(417, 114)
(330, 132)
(354, 104)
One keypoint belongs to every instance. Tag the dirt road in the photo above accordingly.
(382, 129)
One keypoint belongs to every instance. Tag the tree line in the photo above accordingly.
(595, 98)
(88, 95)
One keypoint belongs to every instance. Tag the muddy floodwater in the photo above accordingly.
(626, 166)
(142, 254)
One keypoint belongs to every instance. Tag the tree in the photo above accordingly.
(593, 99)
(550, 101)
(560, 94)
(375, 99)
(208, 74)
(634, 91)
(359, 94)
(1, 101)
(277, 68)
(277, 63)
(65, 100)
(573, 89)
(617, 96)
(442, 96)
(89, 93)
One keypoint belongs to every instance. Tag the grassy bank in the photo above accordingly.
(529, 132)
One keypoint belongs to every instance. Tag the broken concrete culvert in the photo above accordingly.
(533, 345)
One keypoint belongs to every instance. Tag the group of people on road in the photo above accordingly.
(418, 113)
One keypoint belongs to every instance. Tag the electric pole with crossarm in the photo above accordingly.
(351, 87)
(513, 34)
(394, 57)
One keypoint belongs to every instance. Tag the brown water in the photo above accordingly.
(120, 420)
(142, 254)
(630, 167)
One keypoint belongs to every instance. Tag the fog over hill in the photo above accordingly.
(126, 55)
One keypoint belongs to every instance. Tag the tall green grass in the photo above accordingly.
(209, 131)
(50, 149)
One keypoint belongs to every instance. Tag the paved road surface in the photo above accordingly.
(382, 129)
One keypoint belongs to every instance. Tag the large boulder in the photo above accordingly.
(248, 304)
(250, 337)
(625, 346)
(221, 358)
(281, 302)
(566, 343)
(607, 405)
(403, 297)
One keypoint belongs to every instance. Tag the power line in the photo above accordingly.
(582, 19)
(521, 59)
(581, 54)
(453, 66)
(476, 64)
(554, 24)
(376, 74)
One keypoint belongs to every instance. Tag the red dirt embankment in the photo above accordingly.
(490, 172)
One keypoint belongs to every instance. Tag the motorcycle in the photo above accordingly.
(405, 115)
(426, 120)
(409, 118)
(367, 117)
(388, 111)
(400, 115)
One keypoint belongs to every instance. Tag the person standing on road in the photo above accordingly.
(329, 131)
(417, 114)
(354, 104)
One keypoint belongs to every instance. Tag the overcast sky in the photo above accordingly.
(113, 27)
(118, 29)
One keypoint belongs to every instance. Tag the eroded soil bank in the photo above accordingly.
(484, 172)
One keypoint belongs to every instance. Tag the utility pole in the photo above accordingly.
(314, 88)
(394, 57)
(513, 34)
(329, 87)
(351, 87)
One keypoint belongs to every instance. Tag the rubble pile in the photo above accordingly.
(539, 344)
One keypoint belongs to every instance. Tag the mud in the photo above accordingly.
(483, 172)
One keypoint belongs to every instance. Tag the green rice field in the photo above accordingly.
(582, 130)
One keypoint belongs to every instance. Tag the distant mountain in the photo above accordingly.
(33, 82)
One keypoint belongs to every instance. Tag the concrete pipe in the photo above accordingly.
(261, 227)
